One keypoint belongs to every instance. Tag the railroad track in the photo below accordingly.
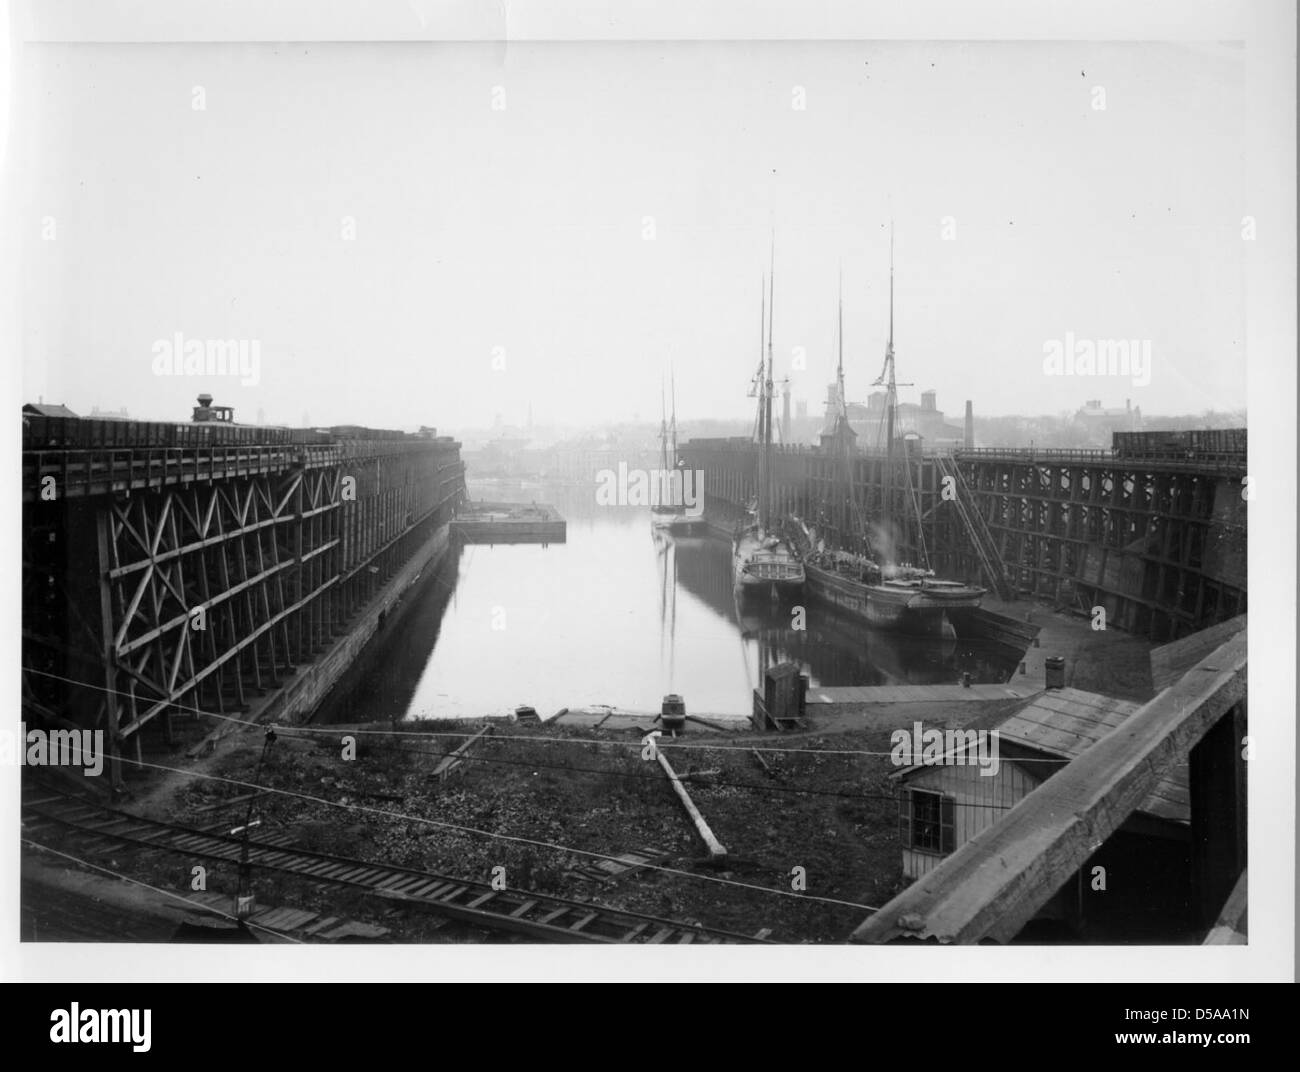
(90, 827)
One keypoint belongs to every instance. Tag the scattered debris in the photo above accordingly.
(606, 871)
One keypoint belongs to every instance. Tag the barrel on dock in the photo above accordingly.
(1055, 672)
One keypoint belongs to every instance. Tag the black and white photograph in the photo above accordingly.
(513, 491)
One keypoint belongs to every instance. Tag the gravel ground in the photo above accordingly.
(545, 802)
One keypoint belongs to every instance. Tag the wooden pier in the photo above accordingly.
(493, 522)
(920, 693)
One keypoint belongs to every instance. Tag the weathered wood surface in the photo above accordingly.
(1230, 929)
(992, 886)
(919, 693)
(1171, 661)
(714, 845)
(454, 760)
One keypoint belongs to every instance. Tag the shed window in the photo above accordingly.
(925, 821)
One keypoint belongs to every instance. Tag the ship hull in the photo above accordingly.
(687, 525)
(759, 569)
(936, 611)
(676, 522)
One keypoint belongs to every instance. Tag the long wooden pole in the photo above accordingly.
(715, 846)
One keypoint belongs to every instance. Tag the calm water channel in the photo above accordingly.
(618, 616)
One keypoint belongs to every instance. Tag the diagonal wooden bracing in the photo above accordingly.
(204, 595)
(211, 590)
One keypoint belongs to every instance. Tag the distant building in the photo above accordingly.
(111, 414)
(206, 411)
(48, 409)
(1099, 422)
(869, 422)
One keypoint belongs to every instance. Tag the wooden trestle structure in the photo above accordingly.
(1158, 539)
(170, 579)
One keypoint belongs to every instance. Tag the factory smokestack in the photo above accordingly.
(969, 440)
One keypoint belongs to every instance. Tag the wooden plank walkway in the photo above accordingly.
(919, 693)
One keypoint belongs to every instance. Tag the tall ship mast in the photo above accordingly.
(876, 587)
(671, 513)
(765, 496)
(886, 379)
(764, 559)
(672, 428)
(662, 513)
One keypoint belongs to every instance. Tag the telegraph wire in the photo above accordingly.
(289, 732)
(662, 745)
(469, 830)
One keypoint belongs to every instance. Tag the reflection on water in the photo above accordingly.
(833, 648)
(617, 615)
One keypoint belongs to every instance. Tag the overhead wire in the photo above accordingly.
(663, 745)
(475, 832)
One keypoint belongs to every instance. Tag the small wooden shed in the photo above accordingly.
(944, 804)
(781, 704)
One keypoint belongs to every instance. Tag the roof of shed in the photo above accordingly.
(1064, 723)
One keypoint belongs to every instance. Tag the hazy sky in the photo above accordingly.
(524, 228)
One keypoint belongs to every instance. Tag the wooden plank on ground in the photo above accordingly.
(454, 760)
(242, 799)
(714, 845)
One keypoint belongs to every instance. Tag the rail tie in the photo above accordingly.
(536, 915)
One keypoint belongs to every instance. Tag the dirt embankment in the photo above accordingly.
(545, 802)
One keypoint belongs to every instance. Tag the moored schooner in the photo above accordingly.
(672, 513)
(881, 592)
(763, 559)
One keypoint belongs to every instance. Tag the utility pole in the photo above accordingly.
(244, 899)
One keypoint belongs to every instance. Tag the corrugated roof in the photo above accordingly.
(1065, 723)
